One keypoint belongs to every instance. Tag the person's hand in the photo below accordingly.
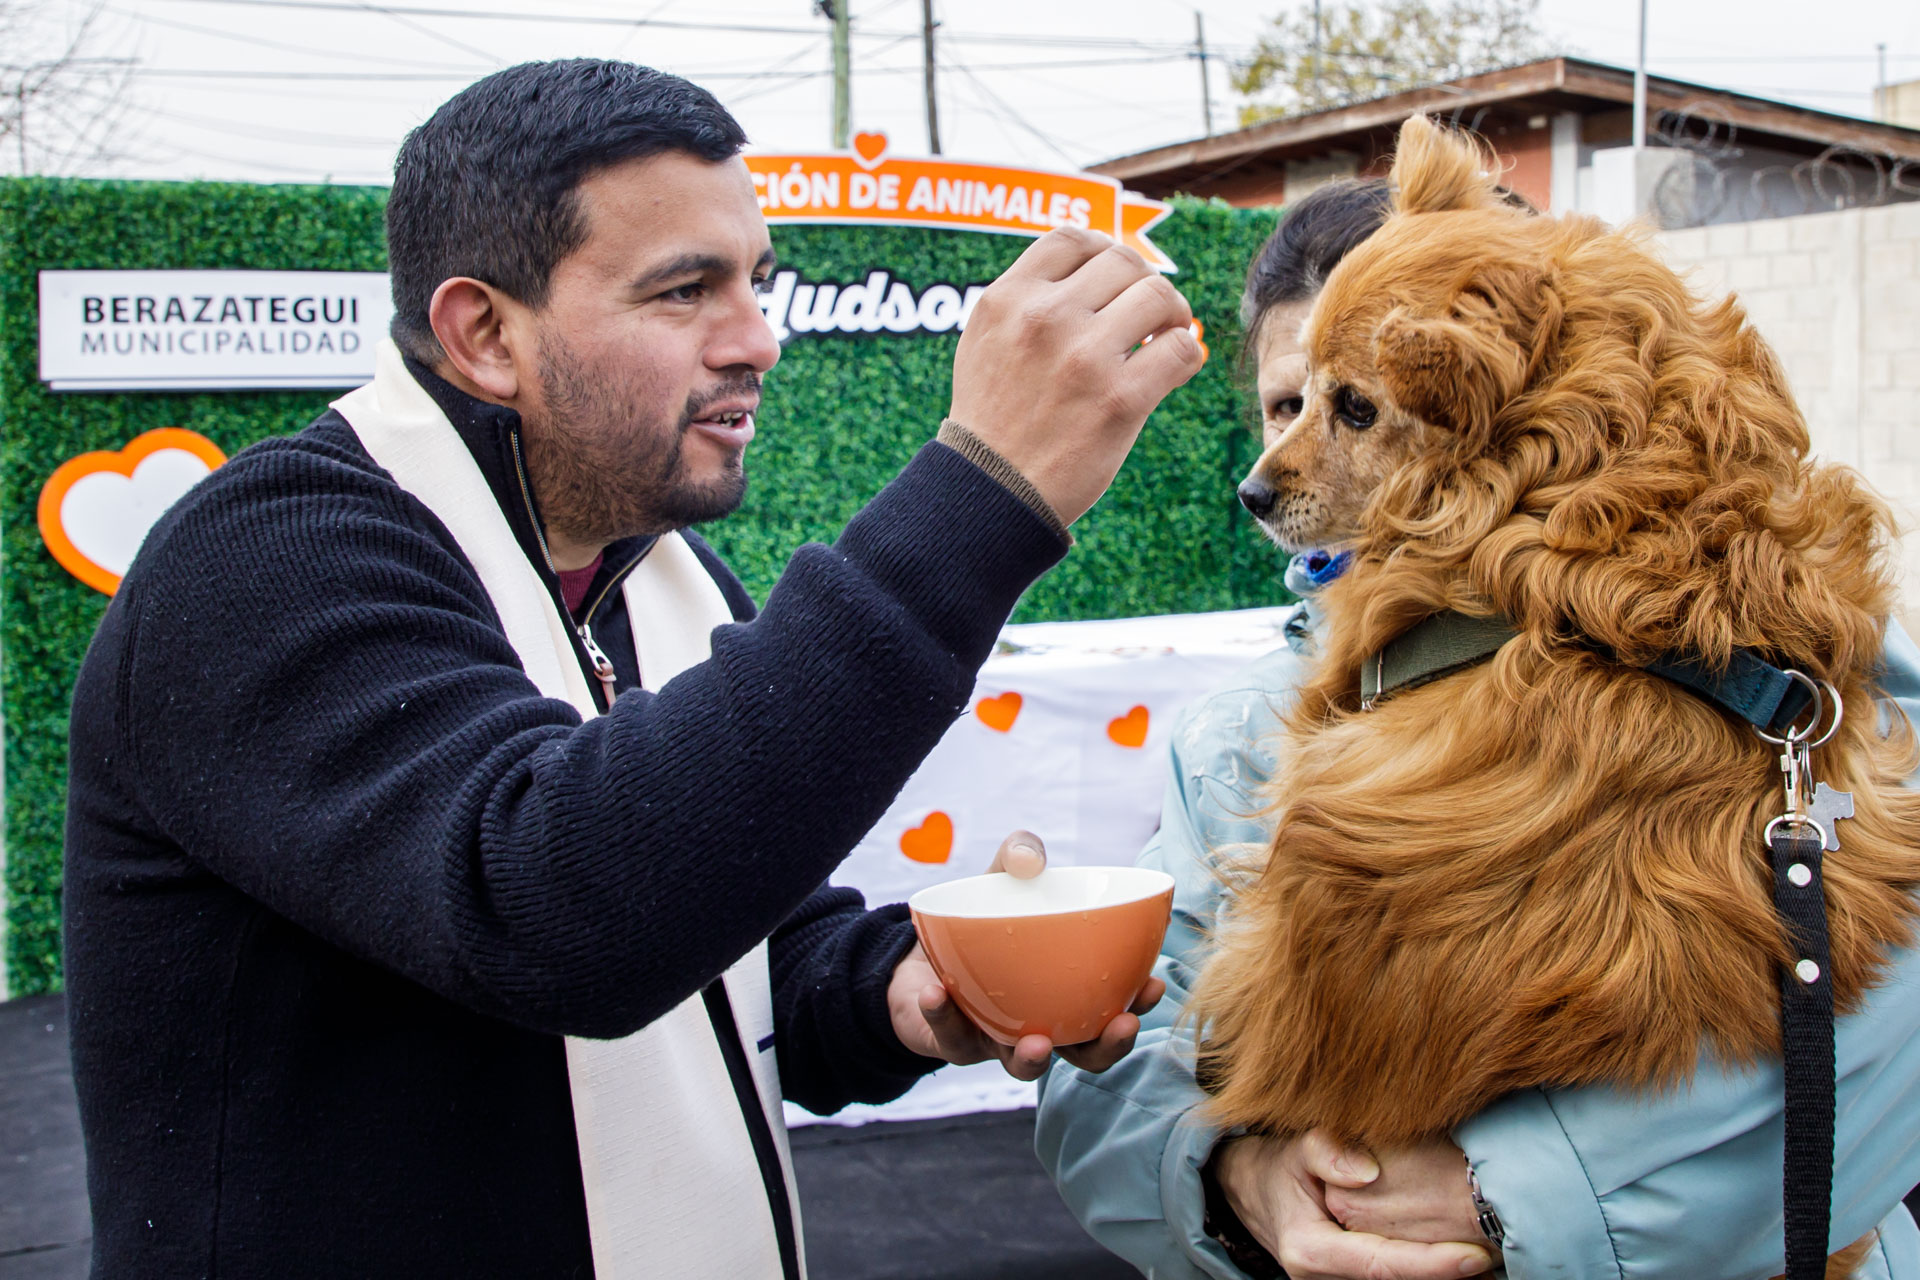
(1280, 1189)
(928, 1021)
(1051, 371)
(1421, 1194)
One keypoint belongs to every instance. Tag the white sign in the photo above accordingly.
(210, 330)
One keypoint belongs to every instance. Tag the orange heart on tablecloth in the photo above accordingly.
(1129, 730)
(998, 713)
(869, 147)
(931, 841)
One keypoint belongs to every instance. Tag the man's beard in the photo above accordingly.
(604, 469)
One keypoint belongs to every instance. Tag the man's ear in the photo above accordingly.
(474, 323)
(1453, 371)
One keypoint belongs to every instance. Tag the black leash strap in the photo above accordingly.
(1806, 1042)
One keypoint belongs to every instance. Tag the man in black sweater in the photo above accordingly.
(361, 877)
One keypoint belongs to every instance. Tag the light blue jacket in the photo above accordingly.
(1591, 1182)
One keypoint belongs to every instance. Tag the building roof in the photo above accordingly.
(1547, 86)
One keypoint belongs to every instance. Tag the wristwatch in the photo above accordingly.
(1489, 1220)
(1224, 1228)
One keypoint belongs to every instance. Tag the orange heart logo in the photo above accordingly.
(96, 509)
(998, 713)
(1130, 730)
(868, 148)
(931, 841)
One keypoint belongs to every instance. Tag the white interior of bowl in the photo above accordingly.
(1055, 891)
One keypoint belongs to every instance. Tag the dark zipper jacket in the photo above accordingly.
(338, 879)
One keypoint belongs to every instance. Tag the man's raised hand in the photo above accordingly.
(1052, 371)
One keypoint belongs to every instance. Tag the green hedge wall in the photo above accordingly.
(841, 415)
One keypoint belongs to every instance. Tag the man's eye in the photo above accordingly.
(763, 284)
(1355, 409)
(1289, 406)
(686, 292)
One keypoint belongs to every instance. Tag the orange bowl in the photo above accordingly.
(1061, 954)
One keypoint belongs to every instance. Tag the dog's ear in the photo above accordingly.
(1436, 170)
(1454, 371)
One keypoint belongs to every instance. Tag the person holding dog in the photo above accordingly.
(446, 832)
(1572, 1182)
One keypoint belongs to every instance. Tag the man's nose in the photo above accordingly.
(1257, 496)
(747, 339)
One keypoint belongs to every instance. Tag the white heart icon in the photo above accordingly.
(106, 516)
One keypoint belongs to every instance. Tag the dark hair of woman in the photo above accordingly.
(1303, 250)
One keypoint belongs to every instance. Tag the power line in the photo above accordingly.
(866, 70)
(1793, 57)
(1054, 66)
(240, 37)
(1783, 92)
(312, 173)
(501, 15)
(1011, 114)
(649, 14)
(356, 77)
(775, 71)
(267, 133)
(1022, 38)
(789, 78)
(427, 31)
(406, 77)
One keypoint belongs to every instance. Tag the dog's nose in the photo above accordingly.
(1257, 496)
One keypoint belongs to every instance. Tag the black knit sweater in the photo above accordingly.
(338, 879)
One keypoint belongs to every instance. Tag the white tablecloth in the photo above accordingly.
(1066, 737)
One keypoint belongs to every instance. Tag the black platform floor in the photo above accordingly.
(959, 1199)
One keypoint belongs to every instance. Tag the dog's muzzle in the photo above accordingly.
(1257, 496)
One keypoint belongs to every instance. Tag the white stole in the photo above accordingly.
(672, 1183)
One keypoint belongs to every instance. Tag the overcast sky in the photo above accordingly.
(323, 90)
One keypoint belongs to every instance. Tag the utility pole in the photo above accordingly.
(1640, 94)
(1316, 55)
(842, 70)
(1200, 52)
(926, 50)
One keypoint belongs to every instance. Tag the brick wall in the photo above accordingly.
(1838, 297)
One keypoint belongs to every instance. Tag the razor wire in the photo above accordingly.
(1706, 184)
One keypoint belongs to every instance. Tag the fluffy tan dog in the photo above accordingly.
(1547, 869)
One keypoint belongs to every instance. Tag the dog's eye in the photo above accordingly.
(1358, 411)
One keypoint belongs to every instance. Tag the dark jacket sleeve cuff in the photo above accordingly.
(832, 963)
(893, 937)
(994, 463)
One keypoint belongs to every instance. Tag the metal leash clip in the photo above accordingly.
(1810, 805)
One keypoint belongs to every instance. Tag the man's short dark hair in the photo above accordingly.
(489, 186)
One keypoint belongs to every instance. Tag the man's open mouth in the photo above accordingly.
(733, 427)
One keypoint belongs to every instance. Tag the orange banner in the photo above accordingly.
(865, 185)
